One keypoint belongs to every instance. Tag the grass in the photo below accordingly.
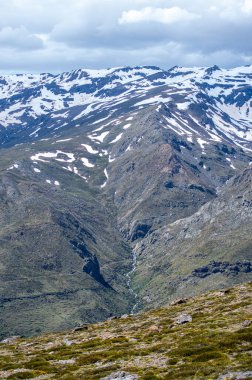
(150, 345)
(23, 375)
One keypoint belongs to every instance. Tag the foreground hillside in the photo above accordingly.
(208, 337)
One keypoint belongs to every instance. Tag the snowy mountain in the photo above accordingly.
(120, 190)
(215, 101)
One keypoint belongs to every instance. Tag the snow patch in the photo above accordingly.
(87, 163)
(43, 155)
(90, 149)
(106, 175)
(111, 159)
(129, 148)
(75, 171)
(117, 138)
(214, 137)
(231, 164)
(127, 126)
(100, 137)
(100, 120)
(183, 106)
(35, 132)
(87, 110)
(155, 99)
(202, 143)
(63, 140)
(15, 166)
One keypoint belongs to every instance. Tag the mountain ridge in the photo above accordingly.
(89, 192)
(30, 105)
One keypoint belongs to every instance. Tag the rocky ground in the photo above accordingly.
(208, 337)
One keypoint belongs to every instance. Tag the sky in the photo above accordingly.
(62, 35)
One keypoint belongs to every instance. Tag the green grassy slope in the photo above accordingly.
(151, 345)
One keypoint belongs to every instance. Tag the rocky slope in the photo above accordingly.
(207, 337)
(120, 190)
(62, 260)
(208, 250)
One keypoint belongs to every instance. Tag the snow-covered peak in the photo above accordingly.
(200, 73)
(219, 98)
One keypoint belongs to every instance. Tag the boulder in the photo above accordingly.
(183, 318)
(121, 375)
(81, 328)
(11, 339)
(178, 301)
(246, 323)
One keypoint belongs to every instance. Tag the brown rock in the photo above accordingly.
(81, 328)
(179, 301)
(154, 328)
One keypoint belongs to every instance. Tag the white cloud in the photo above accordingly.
(57, 35)
(162, 15)
(234, 10)
(247, 7)
(19, 38)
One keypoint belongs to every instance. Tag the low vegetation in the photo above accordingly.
(151, 345)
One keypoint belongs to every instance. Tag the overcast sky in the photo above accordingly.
(61, 35)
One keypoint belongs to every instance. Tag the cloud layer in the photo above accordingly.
(59, 35)
(160, 15)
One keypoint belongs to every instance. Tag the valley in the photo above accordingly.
(121, 190)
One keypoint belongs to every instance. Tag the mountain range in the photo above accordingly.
(121, 190)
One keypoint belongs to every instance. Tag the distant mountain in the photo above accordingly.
(38, 105)
(121, 189)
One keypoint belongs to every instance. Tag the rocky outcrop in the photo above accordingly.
(183, 318)
(121, 375)
(225, 268)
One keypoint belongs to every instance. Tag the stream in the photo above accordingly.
(129, 282)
